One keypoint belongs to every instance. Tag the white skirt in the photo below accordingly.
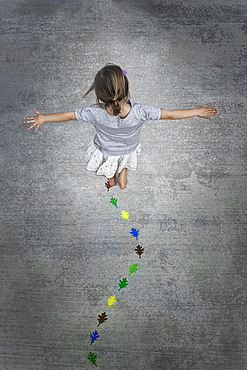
(108, 165)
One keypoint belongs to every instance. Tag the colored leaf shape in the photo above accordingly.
(94, 336)
(135, 233)
(123, 283)
(133, 268)
(114, 202)
(107, 185)
(139, 250)
(92, 358)
(111, 300)
(102, 318)
(125, 215)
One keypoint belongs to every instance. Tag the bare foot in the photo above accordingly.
(122, 178)
(112, 181)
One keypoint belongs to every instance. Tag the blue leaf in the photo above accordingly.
(134, 232)
(94, 336)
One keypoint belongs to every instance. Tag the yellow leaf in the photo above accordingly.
(111, 300)
(125, 215)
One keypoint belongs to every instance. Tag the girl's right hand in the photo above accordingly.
(37, 120)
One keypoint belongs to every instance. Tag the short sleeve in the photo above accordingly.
(85, 113)
(149, 113)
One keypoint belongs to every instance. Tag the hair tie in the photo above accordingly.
(124, 71)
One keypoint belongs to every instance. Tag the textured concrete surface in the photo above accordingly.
(64, 247)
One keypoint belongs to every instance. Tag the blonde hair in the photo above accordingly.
(111, 87)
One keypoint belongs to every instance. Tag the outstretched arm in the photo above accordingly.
(203, 111)
(38, 120)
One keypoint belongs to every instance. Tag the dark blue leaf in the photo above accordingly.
(134, 232)
(94, 336)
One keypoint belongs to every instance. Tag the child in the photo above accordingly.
(118, 122)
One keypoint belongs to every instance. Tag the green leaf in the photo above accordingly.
(133, 268)
(123, 283)
(114, 202)
(92, 358)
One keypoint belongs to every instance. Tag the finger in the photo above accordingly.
(212, 111)
(36, 129)
(30, 121)
(36, 111)
(31, 126)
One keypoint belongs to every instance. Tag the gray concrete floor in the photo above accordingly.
(64, 247)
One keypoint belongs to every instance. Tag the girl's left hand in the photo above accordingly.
(206, 112)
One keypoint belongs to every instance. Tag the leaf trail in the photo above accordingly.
(114, 202)
(134, 232)
(102, 318)
(111, 300)
(92, 358)
(139, 250)
(125, 215)
(133, 268)
(94, 336)
(123, 283)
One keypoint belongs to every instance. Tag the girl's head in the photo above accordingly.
(111, 87)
